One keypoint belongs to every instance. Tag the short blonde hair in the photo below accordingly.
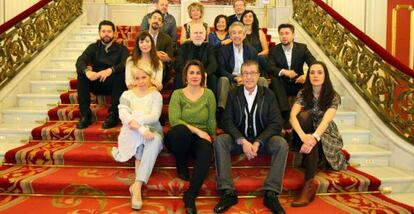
(195, 5)
(135, 69)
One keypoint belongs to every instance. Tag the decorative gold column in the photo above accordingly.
(395, 11)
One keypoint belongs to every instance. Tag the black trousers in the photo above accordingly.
(311, 160)
(114, 85)
(183, 144)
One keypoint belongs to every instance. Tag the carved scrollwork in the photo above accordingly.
(24, 41)
(387, 90)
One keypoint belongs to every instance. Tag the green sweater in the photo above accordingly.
(200, 113)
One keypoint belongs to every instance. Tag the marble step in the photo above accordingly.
(70, 52)
(58, 73)
(83, 44)
(345, 118)
(354, 135)
(405, 198)
(40, 100)
(368, 155)
(28, 114)
(63, 62)
(89, 28)
(49, 86)
(88, 36)
(396, 180)
(16, 132)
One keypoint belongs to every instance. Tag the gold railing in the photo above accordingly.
(20, 44)
(389, 91)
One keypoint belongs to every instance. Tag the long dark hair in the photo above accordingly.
(199, 65)
(137, 53)
(255, 24)
(327, 93)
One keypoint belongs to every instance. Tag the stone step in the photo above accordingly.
(40, 100)
(405, 198)
(49, 86)
(397, 180)
(86, 36)
(16, 132)
(63, 62)
(354, 135)
(345, 118)
(79, 43)
(368, 154)
(70, 52)
(58, 73)
(6, 146)
(29, 114)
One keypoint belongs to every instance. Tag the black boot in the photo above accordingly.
(85, 121)
(111, 121)
(227, 200)
(271, 201)
(189, 203)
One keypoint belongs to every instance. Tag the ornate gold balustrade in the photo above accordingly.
(20, 44)
(388, 90)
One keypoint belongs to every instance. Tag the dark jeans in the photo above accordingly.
(114, 85)
(183, 144)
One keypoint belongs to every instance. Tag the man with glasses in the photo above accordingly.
(230, 59)
(252, 125)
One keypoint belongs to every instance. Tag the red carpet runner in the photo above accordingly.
(57, 171)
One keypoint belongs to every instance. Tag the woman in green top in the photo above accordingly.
(193, 123)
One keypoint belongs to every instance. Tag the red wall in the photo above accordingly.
(403, 30)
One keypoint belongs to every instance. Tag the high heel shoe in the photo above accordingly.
(136, 205)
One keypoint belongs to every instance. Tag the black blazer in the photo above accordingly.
(277, 61)
(231, 19)
(226, 58)
(268, 119)
(205, 53)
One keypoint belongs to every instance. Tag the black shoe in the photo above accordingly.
(111, 121)
(271, 201)
(189, 203)
(182, 172)
(84, 121)
(227, 200)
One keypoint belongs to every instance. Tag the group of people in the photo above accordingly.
(225, 75)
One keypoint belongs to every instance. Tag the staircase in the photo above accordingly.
(47, 90)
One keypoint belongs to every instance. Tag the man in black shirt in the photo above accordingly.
(101, 70)
(252, 125)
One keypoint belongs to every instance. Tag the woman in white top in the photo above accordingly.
(144, 56)
(141, 132)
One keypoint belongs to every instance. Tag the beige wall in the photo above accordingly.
(10, 8)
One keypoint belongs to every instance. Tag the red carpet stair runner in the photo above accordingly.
(66, 170)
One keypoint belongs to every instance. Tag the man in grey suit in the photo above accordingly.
(252, 125)
(285, 63)
(170, 25)
(163, 42)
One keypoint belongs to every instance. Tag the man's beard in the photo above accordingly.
(155, 26)
(286, 43)
(198, 43)
(107, 39)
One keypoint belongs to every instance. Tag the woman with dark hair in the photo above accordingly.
(192, 114)
(316, 134)
(144, 56)
(220, 36)
(254, 35)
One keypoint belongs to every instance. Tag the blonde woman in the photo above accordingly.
(141, 132)
(196, 13)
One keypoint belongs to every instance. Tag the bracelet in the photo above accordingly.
(317, 137)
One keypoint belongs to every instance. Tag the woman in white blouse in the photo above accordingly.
(144, 56)
(141, 132)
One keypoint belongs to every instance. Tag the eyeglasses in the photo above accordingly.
(249, 74)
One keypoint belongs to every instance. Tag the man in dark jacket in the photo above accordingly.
(252, 125)
(230, 59)
(285, 63)
(101, 70)
(200, 50)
